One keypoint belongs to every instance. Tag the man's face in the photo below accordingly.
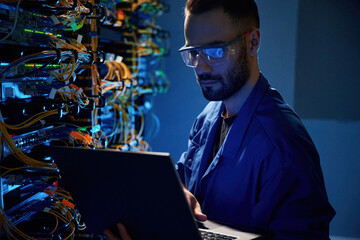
(222, 80)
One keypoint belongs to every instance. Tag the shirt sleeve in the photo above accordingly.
(180, 167)
(293, 205)
(180, 164)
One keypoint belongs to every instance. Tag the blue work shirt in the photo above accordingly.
(266, 174)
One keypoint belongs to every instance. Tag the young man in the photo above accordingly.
(250, 161)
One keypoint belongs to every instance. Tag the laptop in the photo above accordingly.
(140, 189)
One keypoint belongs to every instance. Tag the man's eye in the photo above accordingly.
(214, 52)
(193, 53)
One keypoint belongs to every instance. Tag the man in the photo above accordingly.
(250, 161)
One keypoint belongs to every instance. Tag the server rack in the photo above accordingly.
(79, 73)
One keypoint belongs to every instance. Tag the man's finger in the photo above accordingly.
(110, 235)
(123, 232)
(198, 213)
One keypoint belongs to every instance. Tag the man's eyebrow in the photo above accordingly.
(205, 45)
(216, 42)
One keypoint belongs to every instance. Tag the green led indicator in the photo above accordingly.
(41, 32)
(37, 15)
(38, 65)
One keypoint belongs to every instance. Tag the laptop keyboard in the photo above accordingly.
(206, 235)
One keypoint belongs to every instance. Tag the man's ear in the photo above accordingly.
(254, 45)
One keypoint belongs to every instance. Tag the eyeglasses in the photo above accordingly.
(213, 53)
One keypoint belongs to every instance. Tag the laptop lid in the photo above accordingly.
(139, 189)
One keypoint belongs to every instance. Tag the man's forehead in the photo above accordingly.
(209, 27)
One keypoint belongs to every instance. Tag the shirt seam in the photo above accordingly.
(276, 150)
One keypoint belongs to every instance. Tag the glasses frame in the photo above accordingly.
(216, 45)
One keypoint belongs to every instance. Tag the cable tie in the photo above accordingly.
(71, 23)
(65, 76)
(79, 91)
(55, 72)
(67, 89)
(59, 45)
(42, 122)
(74, 26)
(67, 82)
(79, 38)
(54, 19)
(119, 59)
(110, 57)
(52, 93)
(73, 75)
(50, 79)
(47, 209)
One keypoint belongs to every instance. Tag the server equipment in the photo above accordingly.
(79, 73)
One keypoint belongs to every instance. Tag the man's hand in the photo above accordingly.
(122, 231)
(195, 206)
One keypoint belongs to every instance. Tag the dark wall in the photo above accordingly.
(328, 60)
(327, 97)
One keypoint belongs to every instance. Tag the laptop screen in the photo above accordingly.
(140, 189)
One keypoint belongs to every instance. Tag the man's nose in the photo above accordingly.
(202, 65)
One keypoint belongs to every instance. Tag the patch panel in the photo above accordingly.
(27, 208)
(31, 139)
(27, 30)
(27, 89)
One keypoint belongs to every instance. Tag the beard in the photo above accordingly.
(235, 78)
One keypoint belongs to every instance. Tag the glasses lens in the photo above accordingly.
(188, 57)
(214, 53)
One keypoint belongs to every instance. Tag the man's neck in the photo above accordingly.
(236, 101)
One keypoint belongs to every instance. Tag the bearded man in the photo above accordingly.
(250, 160)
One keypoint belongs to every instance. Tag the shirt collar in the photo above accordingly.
(244, 117)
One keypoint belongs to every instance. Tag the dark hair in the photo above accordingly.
(240, 11)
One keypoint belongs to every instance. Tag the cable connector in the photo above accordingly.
(67, 203)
